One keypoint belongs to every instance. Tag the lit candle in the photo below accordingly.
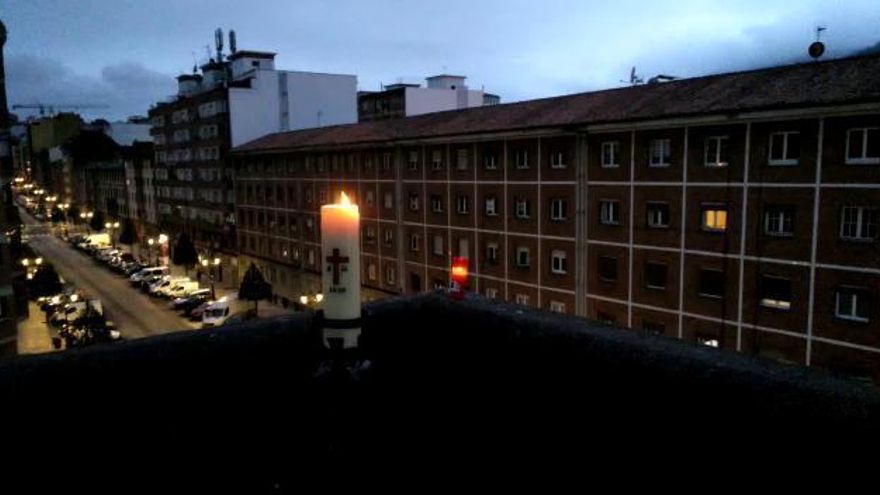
(341, 279)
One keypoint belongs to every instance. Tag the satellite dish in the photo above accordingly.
(817, 48)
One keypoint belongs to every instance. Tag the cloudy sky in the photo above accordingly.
(126, 53)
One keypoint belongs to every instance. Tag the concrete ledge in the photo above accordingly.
(463, 381)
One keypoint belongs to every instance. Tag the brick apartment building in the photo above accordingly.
(736, 210)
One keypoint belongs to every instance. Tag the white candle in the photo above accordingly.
(341, 274)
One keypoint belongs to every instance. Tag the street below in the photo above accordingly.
(136, 314)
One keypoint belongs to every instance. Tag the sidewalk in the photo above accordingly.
(34, 336)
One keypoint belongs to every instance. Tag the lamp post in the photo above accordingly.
(163, 244)
(86, 217)
(150, 243)
(210, 266)
(111, 227)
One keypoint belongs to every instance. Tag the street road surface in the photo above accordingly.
(135, 314)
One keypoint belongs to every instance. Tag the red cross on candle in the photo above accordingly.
(336, 261)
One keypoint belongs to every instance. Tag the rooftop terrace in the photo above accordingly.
(449, 384)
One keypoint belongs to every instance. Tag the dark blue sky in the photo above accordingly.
(125, 53)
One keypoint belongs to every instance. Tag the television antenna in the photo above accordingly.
(633, 78)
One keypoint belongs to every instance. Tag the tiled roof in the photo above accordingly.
(849, 80)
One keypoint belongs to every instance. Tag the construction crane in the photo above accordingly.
(50, 108)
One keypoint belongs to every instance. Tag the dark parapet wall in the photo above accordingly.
(450, 383)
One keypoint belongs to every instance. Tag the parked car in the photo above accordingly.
(199, 296)
(196, 313)
(179, 289)
(159, 289)
(138, 277)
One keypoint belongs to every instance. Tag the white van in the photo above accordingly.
(220, 310)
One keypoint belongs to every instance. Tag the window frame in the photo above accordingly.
(861, 224)
(863, 158)
(610, 149)
(520, 251)
(706, 208)
(613, 207)
(784, 161)
(557, 159)
(854, 292)
(774, 303)
(560, 256)
(700, 287)
(462, 199)
(778, 214)
(650, 208)
(722, 146)
(493, 201)
(666, 159)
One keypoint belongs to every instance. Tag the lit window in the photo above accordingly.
(609, 212)
(491, 206)
(611, 154)
(863, 146)
(660, 154)
(716, 151)
(558, 209)
(779, 221)
(522, 257)
(658, 215)
(708, 341)
(851, 304)
(522, 208)
(557, 159)
(558, 262)
(785, 148)
(775, 292)
(858, 223)
(714, 218)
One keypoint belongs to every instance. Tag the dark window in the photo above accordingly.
(605, 318)
(607, 268)
(655, 275)
(712, 283)
(852, 304)
(785, 148)
(658, 215)
(779, 220)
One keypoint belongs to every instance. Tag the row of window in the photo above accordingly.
(558, 206)
(862, 148)
(857, 223)
(851, 303)
(520, 160)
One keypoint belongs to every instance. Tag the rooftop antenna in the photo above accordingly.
(207, 53)
(817, 48)
(195, 64)
(232, 48)
(633, 78)
(218, 43)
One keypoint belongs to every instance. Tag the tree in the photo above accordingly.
(128, 235)
(185, 253)
(254, 287)
(73, 213)
(45, 282)
(97, 221)
(57, 215)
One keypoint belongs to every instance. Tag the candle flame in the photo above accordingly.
(344, 199)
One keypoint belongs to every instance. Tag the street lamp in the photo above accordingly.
(210, 266)
(163, 241)
(111, 227)
(150, 243)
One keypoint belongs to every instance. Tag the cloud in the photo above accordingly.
(124, 89)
